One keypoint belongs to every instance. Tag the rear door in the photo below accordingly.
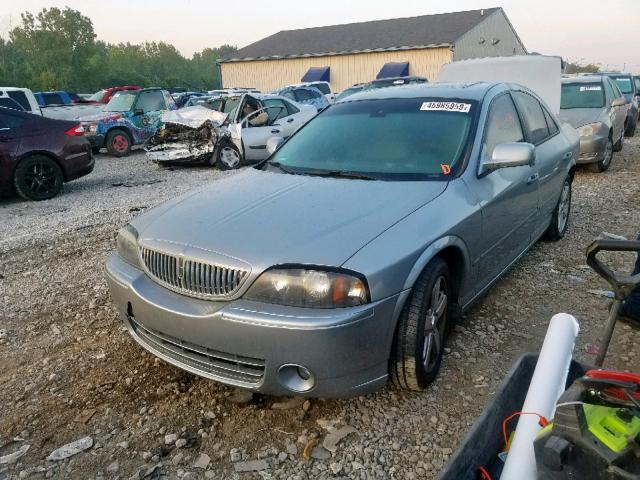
(553, 152)
(10, 137)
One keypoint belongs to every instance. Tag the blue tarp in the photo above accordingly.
(394, 70)
(317, 74)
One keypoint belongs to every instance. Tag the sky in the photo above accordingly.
(588, 31)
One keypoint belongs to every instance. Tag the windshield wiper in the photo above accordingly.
(341, 174)
(282, 168)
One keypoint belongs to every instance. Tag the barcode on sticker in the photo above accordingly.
(446, 107)
(590, 89)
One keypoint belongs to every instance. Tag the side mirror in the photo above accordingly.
(138, 111)
(273, 144)
(511, 155)
(619, 102)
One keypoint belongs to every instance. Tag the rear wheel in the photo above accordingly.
(95, 150)
(118, 143)
(560, 218)
(631, 132)
(227, 157)
(418, 345)
(38, 178)
(607, 156)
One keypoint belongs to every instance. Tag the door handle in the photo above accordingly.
(533, 178)
(275, 130)
(567, 156)
(290, 120)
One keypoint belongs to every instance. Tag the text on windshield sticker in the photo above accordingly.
(590, 89)
(446, 107)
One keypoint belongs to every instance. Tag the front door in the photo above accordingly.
(508, 197)
(147, 111)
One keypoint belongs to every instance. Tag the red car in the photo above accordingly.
(38, 154)
(104, 95)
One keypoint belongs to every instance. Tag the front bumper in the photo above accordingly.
(254, 345)
(592, 149)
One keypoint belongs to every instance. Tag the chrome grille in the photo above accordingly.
(191, 277)
(207, 361)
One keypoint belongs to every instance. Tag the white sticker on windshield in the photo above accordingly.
(446, 107)
(590, 89)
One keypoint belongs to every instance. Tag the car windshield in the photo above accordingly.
(387, 139)
(98, 96)
(121, 102)
(624, 84)
(582, 95)
(347, 92)
(323, 87)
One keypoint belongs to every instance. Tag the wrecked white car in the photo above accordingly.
(226, 131)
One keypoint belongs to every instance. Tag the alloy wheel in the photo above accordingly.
(608, 154)
(40, 179)
(435, 325)
(230, 157)
(564, 206)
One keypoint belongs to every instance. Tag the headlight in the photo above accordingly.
(301, 287)
(589, 130)
(127, 242)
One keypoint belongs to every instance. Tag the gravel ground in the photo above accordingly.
(70, 370)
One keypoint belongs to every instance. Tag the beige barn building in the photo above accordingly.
(358, 52)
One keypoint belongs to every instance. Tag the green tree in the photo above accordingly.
(57, 50)
(577, 67)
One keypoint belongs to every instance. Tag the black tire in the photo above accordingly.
(617, 147)
(408, 367)
(38, 178)
(118, 143)
(95, 150)
(607, 157)
(228, 157)
(561, 214)
(631, 132)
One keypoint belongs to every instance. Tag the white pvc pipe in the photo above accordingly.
(547, 384)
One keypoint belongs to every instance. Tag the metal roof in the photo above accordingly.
(440, 30)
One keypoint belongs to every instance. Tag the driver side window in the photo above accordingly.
(503, 125)
(151, 101)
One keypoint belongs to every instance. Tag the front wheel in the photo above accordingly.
(418, 344)
(227, 157)
(607, 156)
(560, 218)
(38, 178)
(118, 143)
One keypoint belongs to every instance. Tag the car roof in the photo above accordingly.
(393, 79)
(613, 74)
(471, 91)
(583, 79)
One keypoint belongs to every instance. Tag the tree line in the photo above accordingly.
(58, 50)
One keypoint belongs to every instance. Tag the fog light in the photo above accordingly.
(296, 378)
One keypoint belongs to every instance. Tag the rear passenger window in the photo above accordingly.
(21, 98)
(551, 123)
(52, 99)
(503, 125)
(303, 94)
(535, 123)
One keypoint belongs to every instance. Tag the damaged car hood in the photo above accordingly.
(267, 218)
(577, 117)
(187, 134)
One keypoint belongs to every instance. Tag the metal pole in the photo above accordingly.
(608, 331)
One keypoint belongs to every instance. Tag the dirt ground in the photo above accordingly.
(68, 368)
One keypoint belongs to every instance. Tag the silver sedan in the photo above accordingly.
(339, 262)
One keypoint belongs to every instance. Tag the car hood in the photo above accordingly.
(577, 117)
(266, 218)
